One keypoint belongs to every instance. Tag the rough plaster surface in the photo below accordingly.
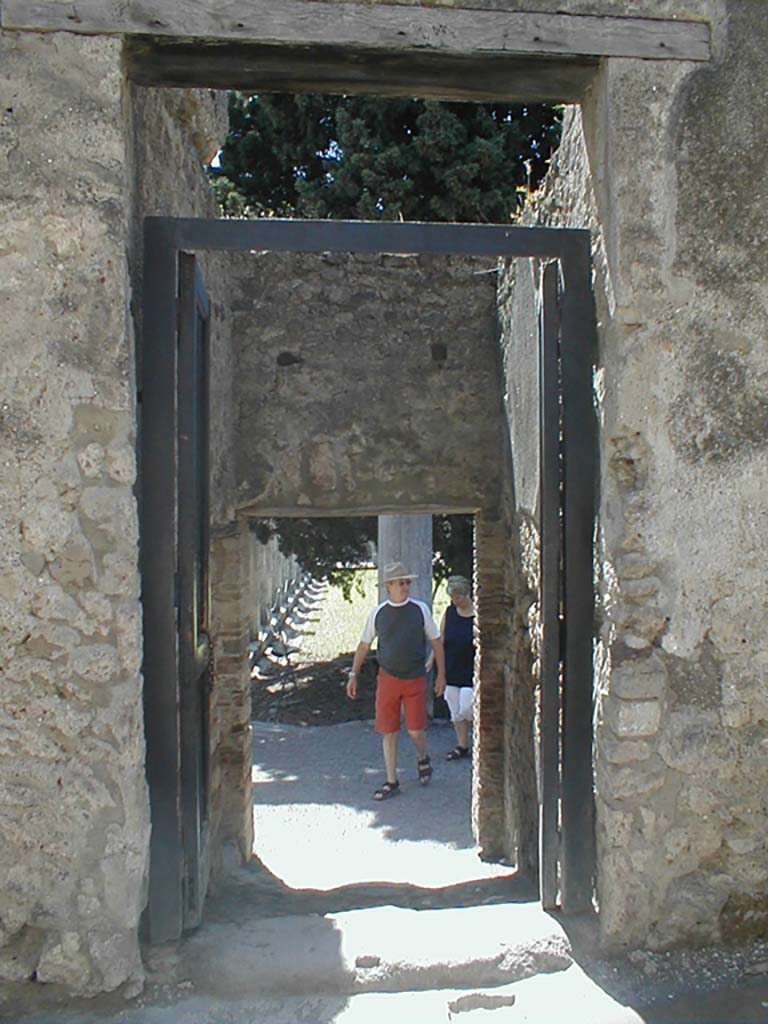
(73, 802)
(682, 744)
(518, 313)
(174, 133)
(366, 383)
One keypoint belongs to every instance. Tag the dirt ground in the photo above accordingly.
(314, 694)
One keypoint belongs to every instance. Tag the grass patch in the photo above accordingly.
(337, 624)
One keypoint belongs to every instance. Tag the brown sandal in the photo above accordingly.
(457, 753)
(425, 770)
(387, 790)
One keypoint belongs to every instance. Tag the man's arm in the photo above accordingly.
(360, 655)
(439, 653)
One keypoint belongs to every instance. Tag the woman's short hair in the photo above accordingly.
(458, 585)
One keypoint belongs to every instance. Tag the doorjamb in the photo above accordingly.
(164, 239)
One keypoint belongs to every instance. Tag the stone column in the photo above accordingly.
(408, 539)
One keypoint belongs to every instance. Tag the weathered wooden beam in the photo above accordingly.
(261, 69)
(374, 26)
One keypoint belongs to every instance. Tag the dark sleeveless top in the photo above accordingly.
(459, 648)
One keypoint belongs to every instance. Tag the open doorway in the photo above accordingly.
(316, 756)
(331, 474)
(313, 583)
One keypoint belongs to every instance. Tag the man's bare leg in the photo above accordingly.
(419, 739)
(389, 746)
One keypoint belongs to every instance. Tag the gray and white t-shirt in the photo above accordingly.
(401, 629)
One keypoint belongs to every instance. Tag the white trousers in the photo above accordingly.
(459, 700)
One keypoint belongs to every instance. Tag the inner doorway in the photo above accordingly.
(316, 756)
(568, 464)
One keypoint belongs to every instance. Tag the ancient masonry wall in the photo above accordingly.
(247, 580)
(504, 806)
(519, 337)
(682, 396)
(73, 800)
(174, 133)
(366, 383)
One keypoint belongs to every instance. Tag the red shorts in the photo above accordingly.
(390, 693)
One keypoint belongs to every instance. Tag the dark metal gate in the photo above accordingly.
(193, 584)
(568, 463)
(176, 602)
(174, 546)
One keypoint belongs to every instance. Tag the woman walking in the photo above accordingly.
(458, 632)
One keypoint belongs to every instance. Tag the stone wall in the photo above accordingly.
(231, 794)
(504, 806)
(73, 800)
(173, 134)
(682, 728)
(74, 806)
(518, 318)
(366, 383)
(248, 578)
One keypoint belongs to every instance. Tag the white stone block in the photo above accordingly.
(636, 718)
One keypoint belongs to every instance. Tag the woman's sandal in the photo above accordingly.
(425, 770)
(457, 753)
(387, 790)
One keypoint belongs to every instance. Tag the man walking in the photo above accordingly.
(401, 623)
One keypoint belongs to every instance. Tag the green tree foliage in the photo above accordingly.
(452, 547)
(331, 549)
(366, 158)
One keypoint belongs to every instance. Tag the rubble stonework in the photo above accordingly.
(351, 372)
(681, 741)
(73, 802)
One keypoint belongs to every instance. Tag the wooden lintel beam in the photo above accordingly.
(368, 26)
(260, 69)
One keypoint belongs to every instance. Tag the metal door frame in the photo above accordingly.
(567, 359)
(193, 588)
(568, 482)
